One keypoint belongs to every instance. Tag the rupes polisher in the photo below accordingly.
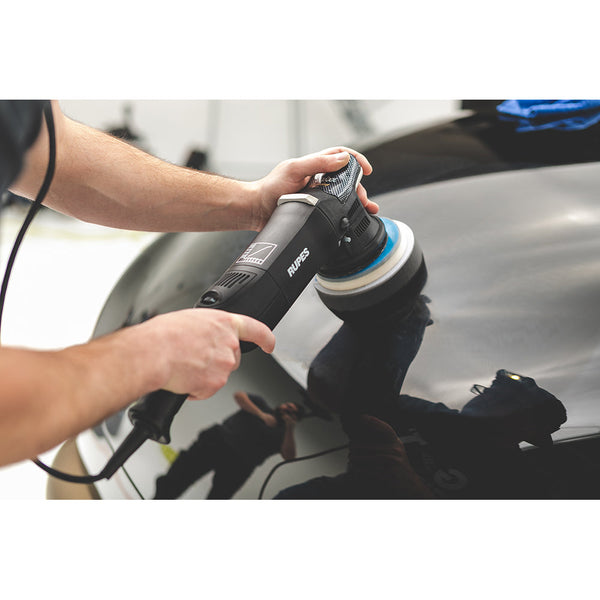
(363, 263)
(367, 268)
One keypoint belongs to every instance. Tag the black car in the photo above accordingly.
(509, 226)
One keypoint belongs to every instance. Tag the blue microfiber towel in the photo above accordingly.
(564, 115)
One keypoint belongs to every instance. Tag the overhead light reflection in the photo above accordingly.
(584, 217)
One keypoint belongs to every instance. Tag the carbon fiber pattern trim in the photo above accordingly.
(343, 183)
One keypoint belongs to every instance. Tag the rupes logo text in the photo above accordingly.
(296, 264)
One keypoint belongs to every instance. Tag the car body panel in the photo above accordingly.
(513, 258)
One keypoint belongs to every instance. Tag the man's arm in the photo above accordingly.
(49, 396)
(104, 180)
(101, 179)
(243, 401)
(288, 445)
(289, 414)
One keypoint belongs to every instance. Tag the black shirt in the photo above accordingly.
(250, 436)
(20, 122)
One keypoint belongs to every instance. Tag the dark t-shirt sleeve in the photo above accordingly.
(260, 403)
(250, 436)
(20, 122)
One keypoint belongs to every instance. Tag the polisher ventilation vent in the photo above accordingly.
(353, 209)
(232, 279)
(362, 226)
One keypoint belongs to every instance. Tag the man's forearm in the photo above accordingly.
(47, 397)
(50, 396)
(104, 180)
(288, 445)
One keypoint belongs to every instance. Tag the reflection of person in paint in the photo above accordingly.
(234, 448)
(355, 375)
(402, 446)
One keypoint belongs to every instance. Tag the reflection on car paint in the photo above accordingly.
(514, 281)
(407, 447)
(233, 449)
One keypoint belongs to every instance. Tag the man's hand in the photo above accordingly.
(289, 413)
(199, 348)
(292, 175)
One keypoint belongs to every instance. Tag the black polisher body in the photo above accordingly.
(323, 229)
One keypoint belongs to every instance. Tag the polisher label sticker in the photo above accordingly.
(257, 253)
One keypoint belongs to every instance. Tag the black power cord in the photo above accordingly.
(31, 213)
(138, 435)
(292, 460)
(132, 442)
(36, 205)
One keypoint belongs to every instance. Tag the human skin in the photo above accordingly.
(49, 396)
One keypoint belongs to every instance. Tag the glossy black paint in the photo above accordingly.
(472, 145)
(510, 229)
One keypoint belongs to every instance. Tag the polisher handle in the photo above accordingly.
(155, 412)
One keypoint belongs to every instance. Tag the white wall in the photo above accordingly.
(245, 138)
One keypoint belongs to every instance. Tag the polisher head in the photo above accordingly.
(386, 288)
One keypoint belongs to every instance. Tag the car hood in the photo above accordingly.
(514, 282)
